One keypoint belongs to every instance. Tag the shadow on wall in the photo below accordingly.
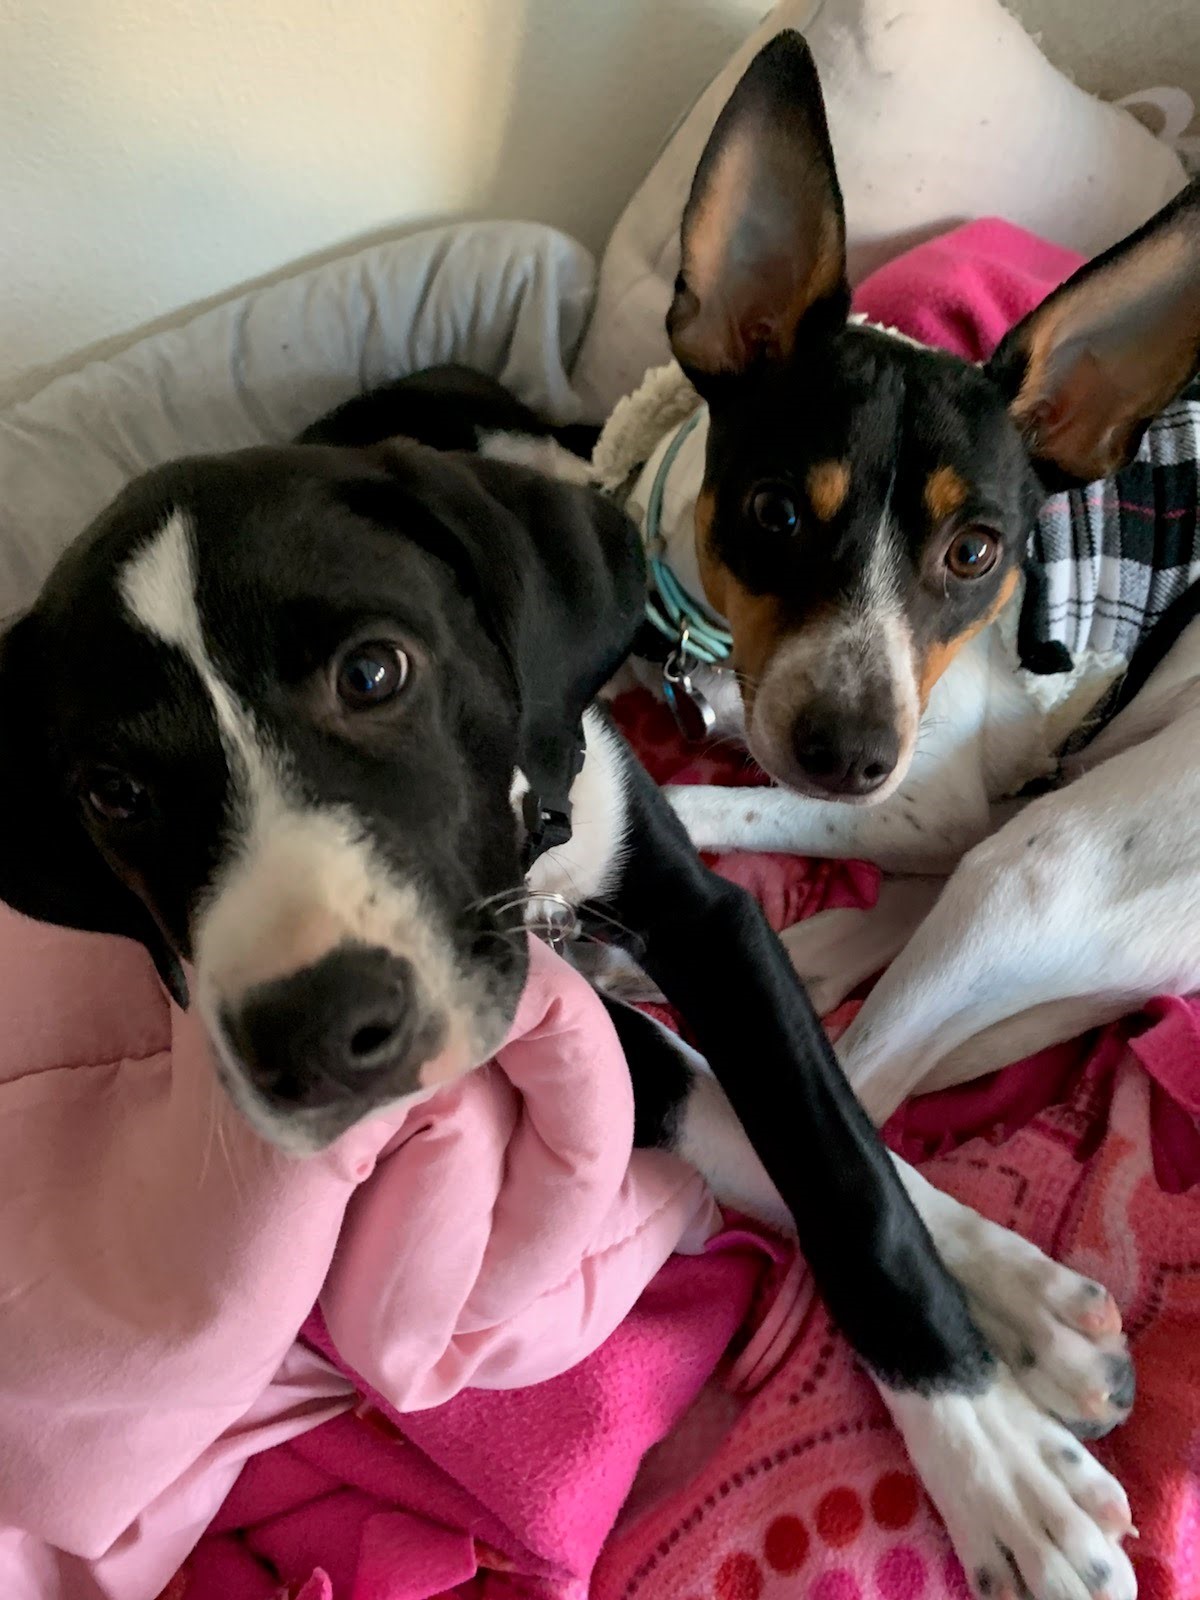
(161, 153)
(615, 79)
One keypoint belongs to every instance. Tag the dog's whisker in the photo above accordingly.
(517, 891)
(227, 1156)
(512, 937)
(634, 940)
(212, 1110)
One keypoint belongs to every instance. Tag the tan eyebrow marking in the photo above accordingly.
(828, 484)
(945, 493)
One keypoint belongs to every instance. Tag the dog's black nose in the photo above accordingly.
(313, 1037)
(844, 761)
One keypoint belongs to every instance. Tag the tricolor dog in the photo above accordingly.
(892, 599)
(316, 725)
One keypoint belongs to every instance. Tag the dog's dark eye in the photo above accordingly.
(112, 796)
(774, 509)
(371, 674)
(972, 553)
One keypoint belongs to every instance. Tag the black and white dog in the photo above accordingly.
(303, 720)
(307, 721)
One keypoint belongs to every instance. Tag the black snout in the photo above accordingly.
(347, 1022)
(845, 760)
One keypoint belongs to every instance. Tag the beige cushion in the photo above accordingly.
(939, 110)
(1116, 48)
(509, 298)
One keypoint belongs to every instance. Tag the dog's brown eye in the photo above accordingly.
(774, 509)
(972, 553)
(371, 674)
(112, 796)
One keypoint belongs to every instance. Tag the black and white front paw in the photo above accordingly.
(1059, 1332)
(1028, 1510)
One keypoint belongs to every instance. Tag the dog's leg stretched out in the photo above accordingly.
(1001, 1469)
(1005, 1476)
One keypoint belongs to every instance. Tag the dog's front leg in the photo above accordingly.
(923, 829)
(1079, 909)
(1023, 1505)
(926, 826)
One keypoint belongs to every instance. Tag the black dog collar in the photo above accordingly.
(546, 808)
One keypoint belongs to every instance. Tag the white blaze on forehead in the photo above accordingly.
(879, 591)
(841, 658)
(158, 586)
(884, 622)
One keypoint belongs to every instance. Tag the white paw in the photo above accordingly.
(1060, 1333)
(1062, 1338)
(1028, 1511)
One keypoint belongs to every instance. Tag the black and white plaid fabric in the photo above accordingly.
(1105, 562)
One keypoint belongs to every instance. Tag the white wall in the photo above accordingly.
(154, 153)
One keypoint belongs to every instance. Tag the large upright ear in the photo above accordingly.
(49, 868)
(764, 238)
(1100, 358)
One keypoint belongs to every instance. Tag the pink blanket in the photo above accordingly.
(157, 1262)
(143, 1226)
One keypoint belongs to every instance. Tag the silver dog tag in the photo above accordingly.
(694, 717)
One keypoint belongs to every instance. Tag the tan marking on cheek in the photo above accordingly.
(939, 656)
(754, 620)
(945, 493)
(756, 623)
(828, 484)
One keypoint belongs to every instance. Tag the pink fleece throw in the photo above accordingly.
(159, 1264)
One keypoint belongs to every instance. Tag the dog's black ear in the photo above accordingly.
(1089, 369)
(555, 569)
(764, 238)
(572, 581)
(49, 868)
